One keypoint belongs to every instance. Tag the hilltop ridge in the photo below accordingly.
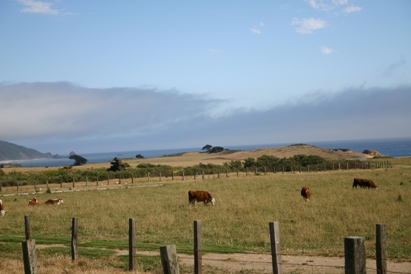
(10, 151)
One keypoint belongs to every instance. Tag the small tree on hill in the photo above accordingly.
(207, 147)
(117, 165)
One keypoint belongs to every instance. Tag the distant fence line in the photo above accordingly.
(89, 177)
(354, 251)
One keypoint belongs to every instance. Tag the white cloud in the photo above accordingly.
(255, 30)
(61, 117)
(326, 50)
(308, 25)
(352, 9)
(32, 6)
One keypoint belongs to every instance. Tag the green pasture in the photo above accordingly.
(239, 222)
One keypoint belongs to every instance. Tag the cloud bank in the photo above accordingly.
(60, 117)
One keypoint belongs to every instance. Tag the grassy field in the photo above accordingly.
(237, 223)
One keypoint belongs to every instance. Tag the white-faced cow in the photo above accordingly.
(2, 211)
(200, 196)
(363, 183)
(33, 202)
(54, 201)
(306, 193)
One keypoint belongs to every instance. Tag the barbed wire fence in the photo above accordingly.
(354, 250)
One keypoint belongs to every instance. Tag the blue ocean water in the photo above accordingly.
(398, 147)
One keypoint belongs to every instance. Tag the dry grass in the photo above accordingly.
(238, 222)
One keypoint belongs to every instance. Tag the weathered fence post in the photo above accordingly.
(198, 246)
(275, 247)
(183, 175)
(27, 227)
(61, 183)
(73, 181)
(160, 176)
(132, 244)
(381, 249)
(97, 180)
(148, 176)
(355, 257)
(169, 261)
(172, 175)
(108, 179)
(86, 181)
(74, 233)
(202, 174)
(29, 257)
(17, 186)
(132, 178)
(29, 250)
(47, 184)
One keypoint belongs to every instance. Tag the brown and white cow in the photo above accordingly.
(2, 211)
(34, 202)
(200, 196)
(54, 201)
(306, 193)
(363, 183)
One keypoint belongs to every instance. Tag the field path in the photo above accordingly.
(261, 263)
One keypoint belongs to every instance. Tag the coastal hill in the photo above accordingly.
(192, 158)
(10, 151)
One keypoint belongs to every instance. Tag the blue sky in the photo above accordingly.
(94, 76)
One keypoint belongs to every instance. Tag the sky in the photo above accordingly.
(101, 76)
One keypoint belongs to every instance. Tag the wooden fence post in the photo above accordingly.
(132, 244)
(86, 181)
(27, 227)
(29, 257)
(73, 181)
(202, 172)
(198, 246)
(355, 257)
(275, 247)
(61, 183)
(97, 181)
(183, 175)
(17, 186)
(169, 261)
(381, 249)
(159, 176)
(132, 178)
(148, 176)
(74, 233)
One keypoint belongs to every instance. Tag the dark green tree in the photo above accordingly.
(117, 165)
(216, 149)
(207, 147)
(78, 160)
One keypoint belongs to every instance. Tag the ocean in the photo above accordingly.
(394, 147)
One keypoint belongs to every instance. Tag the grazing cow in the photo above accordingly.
(306, 193)
(54, 201)
(33, 202)
(2, 211)
(67, 167)
(363, 183)
(200, 196)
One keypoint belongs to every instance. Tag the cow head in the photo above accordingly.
(212, 201)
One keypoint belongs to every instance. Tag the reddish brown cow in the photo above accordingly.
(33, 202)
(306, 193)
(54, 201)
(363, 183)
(2, 211)
(200, 196)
